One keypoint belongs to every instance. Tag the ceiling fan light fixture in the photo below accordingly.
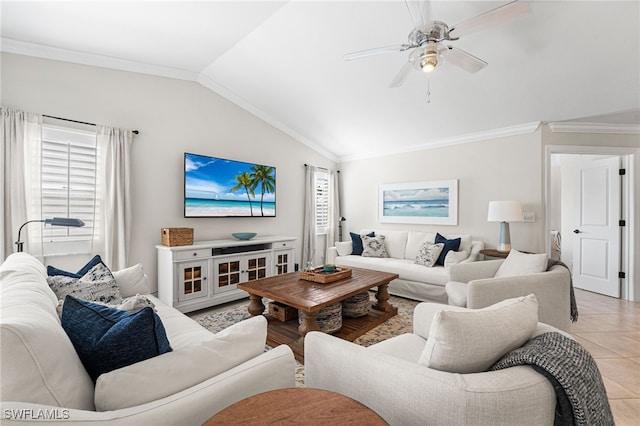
(428, 63)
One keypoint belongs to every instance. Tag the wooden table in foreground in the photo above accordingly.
(309, 297)
(297, 406)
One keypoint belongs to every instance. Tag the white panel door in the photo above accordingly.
(596, 248)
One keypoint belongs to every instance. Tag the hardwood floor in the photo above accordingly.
(610, 330)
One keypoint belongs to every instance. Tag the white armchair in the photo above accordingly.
(389, 378)
(473, 285)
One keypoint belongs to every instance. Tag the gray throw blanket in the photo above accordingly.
(580, 394)
(574, 306)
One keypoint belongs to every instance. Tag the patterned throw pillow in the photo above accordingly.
(373, 246)
(97, 285)
(428, 253)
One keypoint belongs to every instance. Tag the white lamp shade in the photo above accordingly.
(504, 211)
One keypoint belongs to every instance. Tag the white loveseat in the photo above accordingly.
(415, 281)
(44, 379)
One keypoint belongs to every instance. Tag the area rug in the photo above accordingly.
(219, 318)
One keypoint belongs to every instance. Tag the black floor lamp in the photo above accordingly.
(340, 220)
(56, 221)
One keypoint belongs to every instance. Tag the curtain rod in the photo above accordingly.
(321, 168)
(135, 132)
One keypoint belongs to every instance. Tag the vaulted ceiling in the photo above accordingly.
(283, 61)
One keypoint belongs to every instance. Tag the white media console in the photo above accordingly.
(207, 273)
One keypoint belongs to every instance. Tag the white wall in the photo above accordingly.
(173, 116)
(507, 168)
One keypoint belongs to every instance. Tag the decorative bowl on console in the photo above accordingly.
(244, 236)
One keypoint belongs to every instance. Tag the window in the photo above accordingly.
(322, 201)
(68, 187)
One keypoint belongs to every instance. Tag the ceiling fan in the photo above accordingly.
(427, 41)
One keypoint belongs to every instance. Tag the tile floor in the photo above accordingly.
(610, 330)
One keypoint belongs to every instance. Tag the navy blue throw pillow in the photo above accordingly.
(356, 240)
(52, 271)
(107, 339)
(453, 244)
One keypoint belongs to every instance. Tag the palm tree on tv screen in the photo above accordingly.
(248, 184)
(263, 175)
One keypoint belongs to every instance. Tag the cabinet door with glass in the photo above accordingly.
(192, 280)
(256, 266)
(227, 273)
(283, 261)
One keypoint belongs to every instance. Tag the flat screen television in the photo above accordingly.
(217, 187)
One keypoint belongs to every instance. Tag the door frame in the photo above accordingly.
(630, 157)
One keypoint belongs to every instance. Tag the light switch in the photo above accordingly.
(528, 216)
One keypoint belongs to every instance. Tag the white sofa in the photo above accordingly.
(390, 378)
(415, 281)
(44, 379)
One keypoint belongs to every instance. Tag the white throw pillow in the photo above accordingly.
(474, 340)
(454, 257)
(180, 369)
(344, 248)
(373, 246)
(132, 281)
(428, 254)
(518, 263)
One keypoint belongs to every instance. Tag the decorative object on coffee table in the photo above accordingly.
(356, 306)
(319, 275)
(329, 319)
(244, 236)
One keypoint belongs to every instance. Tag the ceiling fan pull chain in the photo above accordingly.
(428, 90)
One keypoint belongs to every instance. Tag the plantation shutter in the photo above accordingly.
(68, 187)
(322, 201)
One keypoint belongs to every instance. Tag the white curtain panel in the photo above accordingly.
(334, 210)
(114, 169)
(309, 232)
(20, 132)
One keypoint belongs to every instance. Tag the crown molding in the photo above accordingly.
(520, 129)
(580, 127)
(249, 107)
(40, 51)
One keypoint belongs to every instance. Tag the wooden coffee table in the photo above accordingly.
(297, 406)
(309, 297)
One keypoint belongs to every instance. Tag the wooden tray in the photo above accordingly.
(319, 276)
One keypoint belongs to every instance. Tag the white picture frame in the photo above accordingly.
(430, 202)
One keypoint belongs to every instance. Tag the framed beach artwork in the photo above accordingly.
(433, 202)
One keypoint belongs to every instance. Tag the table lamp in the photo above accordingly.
(56, 221)
(504, 212)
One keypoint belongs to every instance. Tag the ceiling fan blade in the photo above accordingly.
(401, 76)
(375, 51)
(464, 60)
(492, 17)
(417, 9)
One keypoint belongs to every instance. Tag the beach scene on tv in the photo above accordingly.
(427, 202)
(219, 187)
